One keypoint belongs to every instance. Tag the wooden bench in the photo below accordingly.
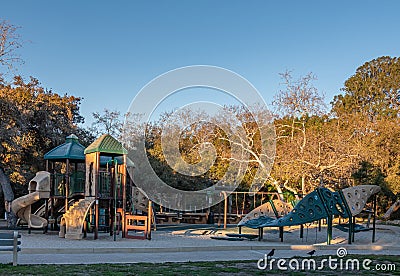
(193, 218)
(168, 218)
(9, 241)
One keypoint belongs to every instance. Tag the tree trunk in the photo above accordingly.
(278, 189)
(8, 198)
(393, 209)
(303, 185)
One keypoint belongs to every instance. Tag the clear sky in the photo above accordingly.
(106, 51)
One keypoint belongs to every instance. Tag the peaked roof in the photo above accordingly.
(106, 144)
(71, 149)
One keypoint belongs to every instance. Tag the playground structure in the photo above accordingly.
(322, 203)
(266, 213)
(89, 190)
(86, 190)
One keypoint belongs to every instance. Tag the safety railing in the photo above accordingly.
(76, 184)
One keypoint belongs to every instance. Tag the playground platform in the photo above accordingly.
(182, 243)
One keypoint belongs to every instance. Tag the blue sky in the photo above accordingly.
(106, 51)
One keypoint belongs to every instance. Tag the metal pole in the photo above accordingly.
(350, 227)
(96, 191)
(124, 178)
(115, 198)
(66, 185)
(52, 212)
(301, 231)
(329, 230)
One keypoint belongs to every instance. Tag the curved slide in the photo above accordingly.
(39, 187)
(22, 208)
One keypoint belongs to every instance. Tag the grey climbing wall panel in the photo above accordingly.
(357, 196)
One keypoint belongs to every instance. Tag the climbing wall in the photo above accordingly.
(259, 215)
(265, 213)
(140, 200)
(322, 203)
(357, 196)
(334, 203)
(310, 208)
(281, 208)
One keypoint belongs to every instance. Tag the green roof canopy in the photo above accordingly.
(106, 144)
(71, 150)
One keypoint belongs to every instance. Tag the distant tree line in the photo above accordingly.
(355, 141)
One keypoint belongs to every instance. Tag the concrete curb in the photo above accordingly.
(104, 250)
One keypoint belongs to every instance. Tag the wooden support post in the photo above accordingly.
(84, 228)
(374, 219)
(149, 218)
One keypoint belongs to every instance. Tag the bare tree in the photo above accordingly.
(10, 41)
(108, 122)
(294, 106)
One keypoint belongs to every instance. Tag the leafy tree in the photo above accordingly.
(33, 121)
(373, 91)
(369, 113)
